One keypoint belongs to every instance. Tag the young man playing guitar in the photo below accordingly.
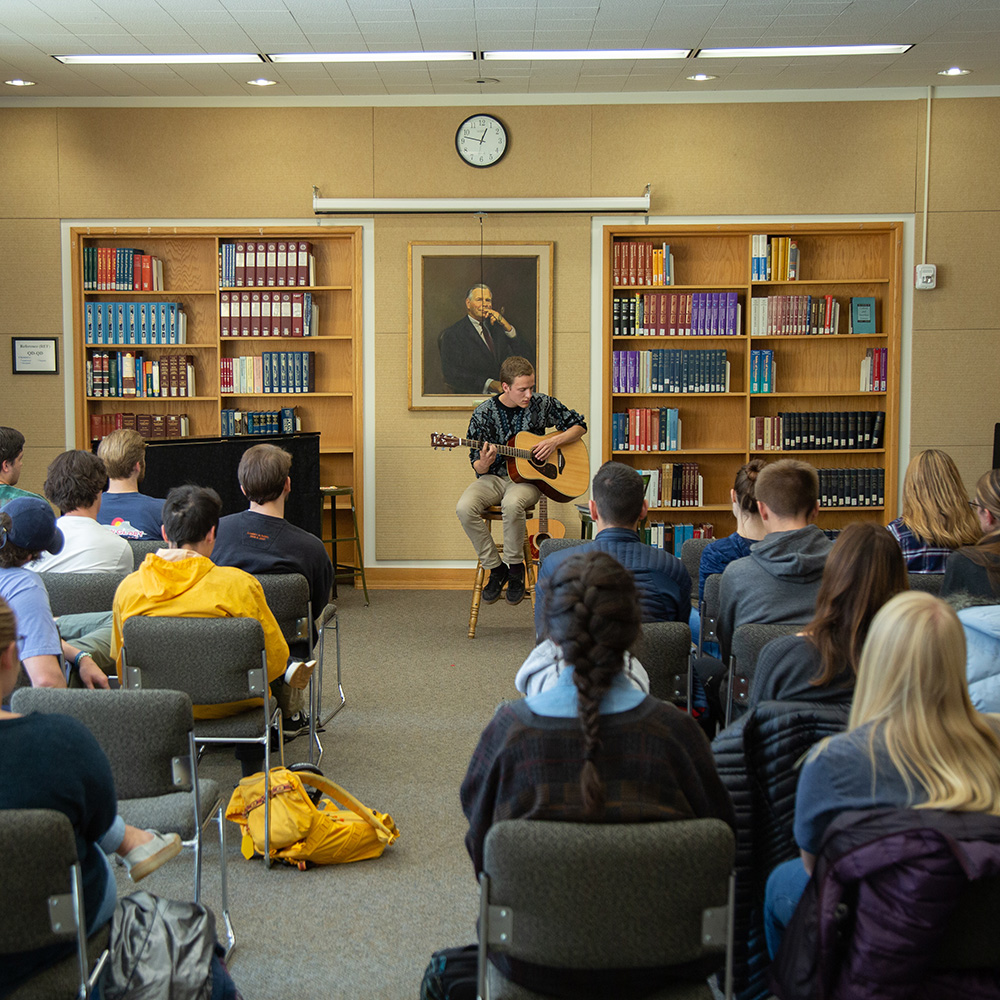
(517, 408)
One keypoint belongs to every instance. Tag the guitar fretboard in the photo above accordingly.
(508, 451)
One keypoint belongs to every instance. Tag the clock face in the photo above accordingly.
(481, 140)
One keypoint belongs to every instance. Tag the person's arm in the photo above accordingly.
(549, 444)
(480, 787)
(487, 456)
(90, 673)
(570, 426)
(44, 671)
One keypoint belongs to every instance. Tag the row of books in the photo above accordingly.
(642, 263)
(127, 373)
(670, 370)
(266, 264)
(236, 423)
(149, 425)
(763, 371)
(674, 484)
(814, 315)
(677, 314)
(672, 537)
(851, 487)
(774, 258)
(644, 428)
(818, 431)
(271, 371)
(121, 269)
(268, 314)
(873, 370)
(134, 323)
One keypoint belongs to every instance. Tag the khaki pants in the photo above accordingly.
(514, 499)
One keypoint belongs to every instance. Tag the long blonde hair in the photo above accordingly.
(935, 502)
(911, 687)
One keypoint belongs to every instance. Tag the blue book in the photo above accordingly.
(863, 314)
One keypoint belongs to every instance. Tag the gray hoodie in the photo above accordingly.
(776, 584)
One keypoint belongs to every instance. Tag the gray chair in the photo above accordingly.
(748, 641)
(593, 896)
(148, 738)
(554, 544)
(81, 593)
(141, 547)
(43, 893)
(663, 648)
(709, 611)
(215, 661)
(931, 582)
(691, 557)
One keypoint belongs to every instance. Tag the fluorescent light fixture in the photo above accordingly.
(804, 50)
(435, 206)
(20, 83)
(369, 57)
(552, 55)
(140, 59)
(954, 71)
(262, 82)
(702, 77)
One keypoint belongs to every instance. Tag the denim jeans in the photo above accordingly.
(785, 886)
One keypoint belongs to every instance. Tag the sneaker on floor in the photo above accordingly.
(297, 675)
(515, 584)
(295, 725)
(494, 586)
(146, 858)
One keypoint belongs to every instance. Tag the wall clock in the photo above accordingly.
(481, 140)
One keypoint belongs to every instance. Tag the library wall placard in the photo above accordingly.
(34, 355)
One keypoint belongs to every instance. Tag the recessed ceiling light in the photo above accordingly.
(702, 77)
(20, 83)
(368, 57)
(540, 55)
(150, 59)
(954, 71)
(262, 82)
(804, 50)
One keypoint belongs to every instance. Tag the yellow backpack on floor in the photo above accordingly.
(302, 832)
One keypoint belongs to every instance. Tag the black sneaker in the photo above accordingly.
(515, 584)
(292, 726)
(494, 586)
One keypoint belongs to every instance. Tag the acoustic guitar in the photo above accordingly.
(562, 477)
(539, 528)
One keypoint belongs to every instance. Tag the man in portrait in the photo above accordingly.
(473, 349)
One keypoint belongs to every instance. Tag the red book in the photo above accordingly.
(255, 314)
(286, 313)
(260, 272)
(265, 314)
(632, 253)
(302, 268)
(224, 314)
(616, 267)
(240, 271)
(244, 314)
(271, 269)
(298, 302)
(136, 272)
(281, 264)
(146, 273)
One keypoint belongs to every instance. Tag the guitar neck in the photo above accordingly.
(543, 514)
(507, 450)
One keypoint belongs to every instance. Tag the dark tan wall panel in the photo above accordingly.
(718, 159)
(965, 151)
(29, 166)
(216, 163)
(30, 278)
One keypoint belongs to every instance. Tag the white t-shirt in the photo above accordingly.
(89, 548)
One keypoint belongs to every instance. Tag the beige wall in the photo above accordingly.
(716, 159)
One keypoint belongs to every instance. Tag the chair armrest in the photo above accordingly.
(326, 615)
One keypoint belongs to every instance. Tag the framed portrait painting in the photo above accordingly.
(471, 306)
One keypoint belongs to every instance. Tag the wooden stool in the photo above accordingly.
(340, 569)
(490, 515)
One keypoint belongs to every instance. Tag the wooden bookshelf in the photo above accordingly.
(192, 278)
(814, 372)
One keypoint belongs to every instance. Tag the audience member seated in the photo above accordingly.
(913, 741)
(717, 555)
(864, 569)
(980, 618)
(182, 581)
(617, 506)
(127, 512)
(27, 529)
(74, 483)
(260, 540)
(52, 761)
(592, 748)
(11, 456)
(936, 516)
(975, 569)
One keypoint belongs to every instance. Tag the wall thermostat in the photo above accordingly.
(925, 276)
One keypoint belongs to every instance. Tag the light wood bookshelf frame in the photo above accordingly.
(814, 372)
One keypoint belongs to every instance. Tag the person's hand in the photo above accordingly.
(495, 386)
(488, 454)
(492, 317)
(92, 675)
(543, 449)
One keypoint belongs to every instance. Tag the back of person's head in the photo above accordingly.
(591, 612)
(745, 486)
(263, 471)
(515, 367)
(912, 687)
(75, 479)
(120, 451)
(988, 492)
(11, 444)
(935, 502)
(788, 487)
(27, 529)
(864, 569)
(618, 491)
(190, 513)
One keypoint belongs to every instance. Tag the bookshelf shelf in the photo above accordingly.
(836, 262)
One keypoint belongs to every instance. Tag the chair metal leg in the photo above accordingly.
(223, 878)
(324, 720)
(729, 689)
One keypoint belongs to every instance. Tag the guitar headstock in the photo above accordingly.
(444, 440)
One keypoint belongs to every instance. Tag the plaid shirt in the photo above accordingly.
(497, 424)
(918, 555)
(655, 762)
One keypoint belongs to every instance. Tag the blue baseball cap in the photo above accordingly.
(33, 525)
